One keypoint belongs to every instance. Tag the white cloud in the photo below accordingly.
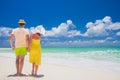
(101, 27)
(89, 24)
(64, 29)
(114, 26)
(69, 22)
(4, 31)
(109, 38)
(95, 29)
(107, 19)
(73, 33)
(98, 22)
(118, 33)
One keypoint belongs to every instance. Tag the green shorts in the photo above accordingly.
(21, 51)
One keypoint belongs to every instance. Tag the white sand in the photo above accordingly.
(52, 72)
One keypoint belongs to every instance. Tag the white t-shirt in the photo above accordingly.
(20, 37)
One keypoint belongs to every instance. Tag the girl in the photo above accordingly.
(35, 51)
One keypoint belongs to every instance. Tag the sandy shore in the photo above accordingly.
(51, 71)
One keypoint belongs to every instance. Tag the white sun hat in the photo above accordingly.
(39, 29)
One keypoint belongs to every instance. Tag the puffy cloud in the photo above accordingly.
(69, 22)
(101, 27)
(95, 30)
(118, 33)
(73, 33)
(64, 29)
(89, 24)
(4, 31)
(114, 26)
(107, 19)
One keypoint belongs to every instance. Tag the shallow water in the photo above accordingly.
(105, 58)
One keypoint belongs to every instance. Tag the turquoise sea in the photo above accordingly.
(105, 58)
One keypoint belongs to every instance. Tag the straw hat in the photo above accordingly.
(21, 21)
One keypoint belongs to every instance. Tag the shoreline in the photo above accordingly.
(99, 65)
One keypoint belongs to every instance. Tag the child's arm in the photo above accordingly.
(27, 40)
(30, 42)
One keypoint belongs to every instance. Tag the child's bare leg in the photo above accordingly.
(36, 69)
(17, 64)
(33, 68)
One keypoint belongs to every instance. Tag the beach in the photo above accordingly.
(51, 71)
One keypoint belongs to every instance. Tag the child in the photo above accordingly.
(35, 51)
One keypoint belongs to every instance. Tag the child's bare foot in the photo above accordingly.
(18, 74)
(35, 75)
(21, 74)
(32, 74)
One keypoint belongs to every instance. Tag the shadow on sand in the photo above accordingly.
(39, 76)
(15, 75)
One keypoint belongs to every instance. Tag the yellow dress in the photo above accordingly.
(35, 52)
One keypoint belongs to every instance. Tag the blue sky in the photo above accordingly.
(67, 22)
